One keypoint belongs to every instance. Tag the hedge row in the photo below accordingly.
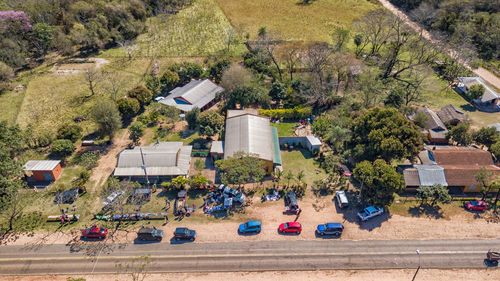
(288, 113)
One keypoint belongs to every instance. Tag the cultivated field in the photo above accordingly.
(292, 20)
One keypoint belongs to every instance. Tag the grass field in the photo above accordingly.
(291, 20)
(297, 160)
(198, 30)
(284, 129)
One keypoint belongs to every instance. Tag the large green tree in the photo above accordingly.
(241, 168)
(460, 134)
(108, 119)
(385, 133)
(379, 182)
(211, 123)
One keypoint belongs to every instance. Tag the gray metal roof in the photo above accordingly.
(238, 112)
(217, 147)
(196, 93)
(313, 140)
(495, 125)
(251, 134)
(411, 177)
(41, 165)
(430, 175)
(160, 159)
(489, 93)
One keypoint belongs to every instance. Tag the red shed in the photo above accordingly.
(42, 170)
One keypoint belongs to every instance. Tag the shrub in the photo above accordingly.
(192, 118)
(136, 131)
(169, 80)
(288, 113)
(62, 148)
(187, 71)
(71, 132)
(128, 108)
(142, 94)
(87, 159)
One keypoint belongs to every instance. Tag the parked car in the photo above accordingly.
(341, 199)
(250, 226)
(66, 197)
(370, 212)
(149, 234)
(291, 202)
(344, 170)
(95, 232)
(330, 229)
(113, 198)
(290, 227)
(235, 194)
(183, 233)
(476, 205)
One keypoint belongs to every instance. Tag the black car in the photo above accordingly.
(183, 233)
(150, 234)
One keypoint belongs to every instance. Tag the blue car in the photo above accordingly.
(250, 227)
(370, 212)
(330, 229)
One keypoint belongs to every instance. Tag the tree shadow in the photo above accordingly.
(468, 107)
(427, 210)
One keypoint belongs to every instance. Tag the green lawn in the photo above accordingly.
(297, 160)
(285, 129)
(292, 21)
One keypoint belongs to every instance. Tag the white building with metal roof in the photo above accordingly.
(156, 162)
(197, 93)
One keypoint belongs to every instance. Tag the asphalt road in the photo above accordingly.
(98, 257)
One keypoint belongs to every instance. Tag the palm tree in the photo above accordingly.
(300, 176)
(289, 177)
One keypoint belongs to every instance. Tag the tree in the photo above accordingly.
(495, 185)
(475, 92)
(128, 108)
(12, 203)
(192, 118)
(113, 84)
(267, 41)
(198, 181)
(129, 47)
(385, 133)
(71, 132)
(483, 178)
(395, 98)
(289, 176)
(437, 192)
(379, 182)
(375, 29)
(239, 169)
(495, 149)
(107, 117)
(278, 92)
(169, 80)
(62, 148)
(142, 94)
(486, 136)
(136, 131)
(6, 72)
(179, 182)
(43, 35)
(235, 77)
(211, 123)
(420, 119)
(300, 176)
(290, 53)
(93, 78)
(460, 134)
(340, 37)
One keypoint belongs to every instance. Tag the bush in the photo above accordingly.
(192, 118)
(6, 73)
(128, 108)
(45, 139)
(287, 114)
(62, 148)
(71, 132)
(136, 131)
(169, 80)
(142, 94)
(87, 159)
(187, 71)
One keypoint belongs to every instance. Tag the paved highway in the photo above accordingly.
(99, 257)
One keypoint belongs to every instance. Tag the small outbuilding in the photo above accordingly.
(452, 115)
(42, 170)
(313, 143)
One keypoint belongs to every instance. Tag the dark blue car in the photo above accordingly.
(330, 229)
(250, 227)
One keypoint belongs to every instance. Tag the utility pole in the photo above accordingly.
(418, 268)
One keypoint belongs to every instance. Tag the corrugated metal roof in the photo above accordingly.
(434, 122)
(196, 93)
(160, 159)
(41, 165)
(489, 93)
(238, 112)
(430, 175)
(217, 147)
(250, 134)
(313, 140)
(411, 177)
(276, 146)
(450, 113)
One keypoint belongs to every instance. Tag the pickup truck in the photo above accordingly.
(370, 212)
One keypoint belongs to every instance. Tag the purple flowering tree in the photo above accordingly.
(15, 21)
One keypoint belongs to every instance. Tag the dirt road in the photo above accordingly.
(481, 72)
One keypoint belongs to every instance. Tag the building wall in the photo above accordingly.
(40, 175)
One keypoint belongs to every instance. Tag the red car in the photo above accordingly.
(95, 232)
(344, 170)
(475, 205)
(290, 227)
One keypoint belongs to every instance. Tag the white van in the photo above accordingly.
(341, 199)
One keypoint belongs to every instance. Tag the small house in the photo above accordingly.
(490, 97)
(42, 170)
(434, 128)
(197, 93)
(452, 115)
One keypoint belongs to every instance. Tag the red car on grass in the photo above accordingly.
(95, 232)
(476, 205)
(290, 227)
